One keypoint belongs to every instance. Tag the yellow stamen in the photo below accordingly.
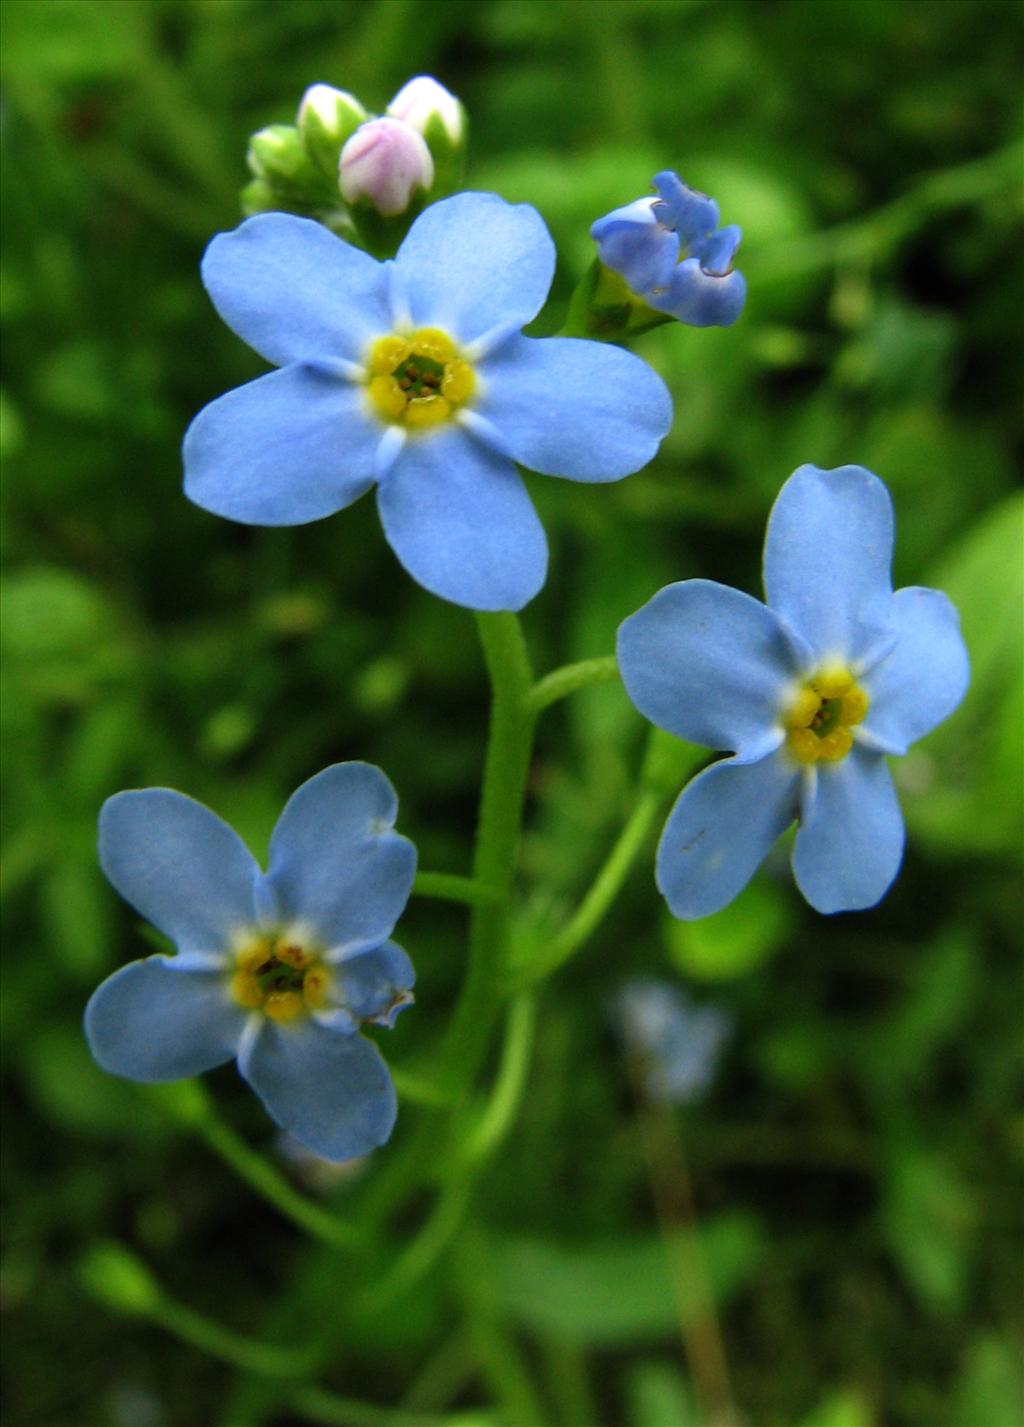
(388, 353)
(246, 990)
(387, 396)
(427, 411)
(293, 955)
(803, 708)
(458, 383)
(833, 682)
(417, 380)
(283, 1005)
(835, 745)
(819, 716)
(855, 706)
(433, 343)
(315, 988)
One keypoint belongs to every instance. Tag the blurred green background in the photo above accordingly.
(856, 1166)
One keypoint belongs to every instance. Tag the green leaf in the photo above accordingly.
(736, 940)
(957, 783)
(610, 1292)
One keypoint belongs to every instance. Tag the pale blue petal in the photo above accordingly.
(925, 676)
(335, 861)
(700, 298)
(827, 559)
(152, 1021)
(374, 985)
(850, 844)
(459, 518)
(691, 213)
(474, 262)
(709, 664)
(290, 447)
(294, 291)
(632, 242)
(330, 1090)
(720, 831)
(179, 865)
(566, 407)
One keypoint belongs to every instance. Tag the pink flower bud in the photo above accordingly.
(385, 161)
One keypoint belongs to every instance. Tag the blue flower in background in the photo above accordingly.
(673, 256)
(414, 375)
(675, 1043)
(278, 968)
(809, 692)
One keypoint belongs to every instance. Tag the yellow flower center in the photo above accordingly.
(419, 380)
(819, 719)
(275, 975)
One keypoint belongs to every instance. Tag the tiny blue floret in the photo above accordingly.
(413, 375)
(675, 1043)
(673, 255)
(278, 968)
(809, 692)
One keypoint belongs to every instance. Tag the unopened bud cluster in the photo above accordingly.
(356, 172)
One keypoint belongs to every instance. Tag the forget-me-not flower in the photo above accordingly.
(278, 968)
(673, 256)
(413, 375)
(810, 692)
(675, 1043)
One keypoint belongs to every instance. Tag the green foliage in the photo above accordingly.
(855, 1165)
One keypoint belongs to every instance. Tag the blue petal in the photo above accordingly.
(709, 664)
(179, 865)
(827, 559)
(294, 291)
(330, 1090)
(720, 831)
(691, 213)
(374, 985)
(474, 262)
(850, 843)
(571, 408)
(335, 861)
(632, 242)
(154, 1021)
(925, 676)
(290, 447)
(717, 250)
(458, 517)
(699, 298)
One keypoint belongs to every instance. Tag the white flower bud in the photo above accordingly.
(327, 116)
(417, 102)
(385, 161)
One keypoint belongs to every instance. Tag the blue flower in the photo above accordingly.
(278, 968)
(809, 692)
(413, 375)
(673, 256)
(675, 1043)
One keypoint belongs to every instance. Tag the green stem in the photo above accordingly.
(334, 1411)
(474, 1149)
(864, 238)
(447, 887)
(200, 1332)
(509, 1082)
(604, 890)
(506, 766)
(190, 1103)
(562, 682)
(497, 1353)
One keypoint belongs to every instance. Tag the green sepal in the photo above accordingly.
(605, 308)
